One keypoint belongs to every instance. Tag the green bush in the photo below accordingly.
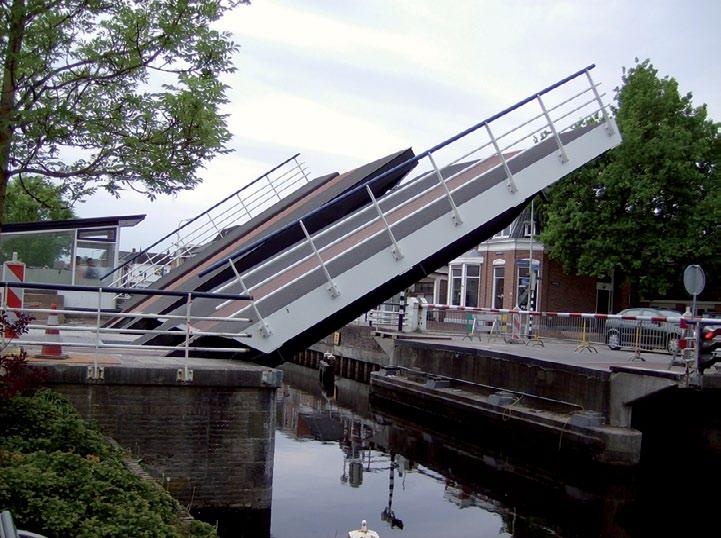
(47, 421)
(60, 477)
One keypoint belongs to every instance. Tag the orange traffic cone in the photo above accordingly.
(52, 348)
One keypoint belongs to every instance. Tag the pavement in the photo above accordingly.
(592, 356)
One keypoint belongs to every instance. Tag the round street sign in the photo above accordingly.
(694, 279)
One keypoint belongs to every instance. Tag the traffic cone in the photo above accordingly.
(52, 348)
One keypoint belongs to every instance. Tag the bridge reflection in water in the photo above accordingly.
(338, 461)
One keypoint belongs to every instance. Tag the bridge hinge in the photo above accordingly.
(185, 375)
(95, 373)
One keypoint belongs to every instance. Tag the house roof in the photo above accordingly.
(124, 221)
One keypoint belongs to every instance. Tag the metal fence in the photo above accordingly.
(90, 330)
(235, 209)
(648, 333)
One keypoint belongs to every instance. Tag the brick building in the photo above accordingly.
(495, 274)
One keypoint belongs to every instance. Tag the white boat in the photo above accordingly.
(363, 532)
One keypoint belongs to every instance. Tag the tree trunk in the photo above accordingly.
(16, 29)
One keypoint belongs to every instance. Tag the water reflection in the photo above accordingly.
(335, 466)
(338, 461)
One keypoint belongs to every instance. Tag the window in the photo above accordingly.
(473, 280)
(522, 284)
(46, 255)
(465, 284)
(456, 284)
(499, 276)
(506, 232)
(99, 234)
(93, 259)
(528, 229)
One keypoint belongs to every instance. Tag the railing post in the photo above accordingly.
(277, 195)
(298, 165)
(264, 327)
(457, 220)
(185, 374)
(242, 204)
(396, 249)
(562, 156)
(332, 288)
(95, 373)
(509, 176)
(602, 108)
(213, 223)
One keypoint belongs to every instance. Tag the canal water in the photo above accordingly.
(338, 460)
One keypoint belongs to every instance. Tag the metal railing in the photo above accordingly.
(523, 127)
(235, 209)
(94, 336)
(636, 333)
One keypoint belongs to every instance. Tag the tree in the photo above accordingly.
(112, 94)
(34, 199)
(650, 206)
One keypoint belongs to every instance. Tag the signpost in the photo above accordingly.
(694, 281)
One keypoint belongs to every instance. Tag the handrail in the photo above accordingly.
(170, 234)
(181, 337)
(129, 291)
(400, 166)
(390, 194)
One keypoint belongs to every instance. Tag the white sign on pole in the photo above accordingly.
(694, 279)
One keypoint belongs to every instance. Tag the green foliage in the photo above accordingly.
(112, 95)
(48, 422)
(34, 199)
(61, 478)
(650, 206)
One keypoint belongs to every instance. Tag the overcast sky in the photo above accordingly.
(344, 83)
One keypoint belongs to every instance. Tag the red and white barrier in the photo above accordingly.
(587, 315)
(13, 271)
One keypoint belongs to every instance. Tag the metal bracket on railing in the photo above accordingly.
(95, 373)
(457, 220)
(604, 112)
(563, 156)
(509, 181)
(185, 375)
(332, 288)
(264, 327)
(396, 250)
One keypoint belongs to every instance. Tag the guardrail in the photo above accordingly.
(636, 333)
(235, 209)
(515, 134)
(94, 336)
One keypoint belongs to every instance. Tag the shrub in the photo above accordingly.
(61, 478)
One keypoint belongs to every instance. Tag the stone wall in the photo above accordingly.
(565, 383)
(210, 442)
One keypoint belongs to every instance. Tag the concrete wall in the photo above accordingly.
(586, 388)
(210, 442)
(354, 342)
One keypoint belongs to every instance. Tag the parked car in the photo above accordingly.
(648, 335)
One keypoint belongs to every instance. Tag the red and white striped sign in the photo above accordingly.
(14, 271)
